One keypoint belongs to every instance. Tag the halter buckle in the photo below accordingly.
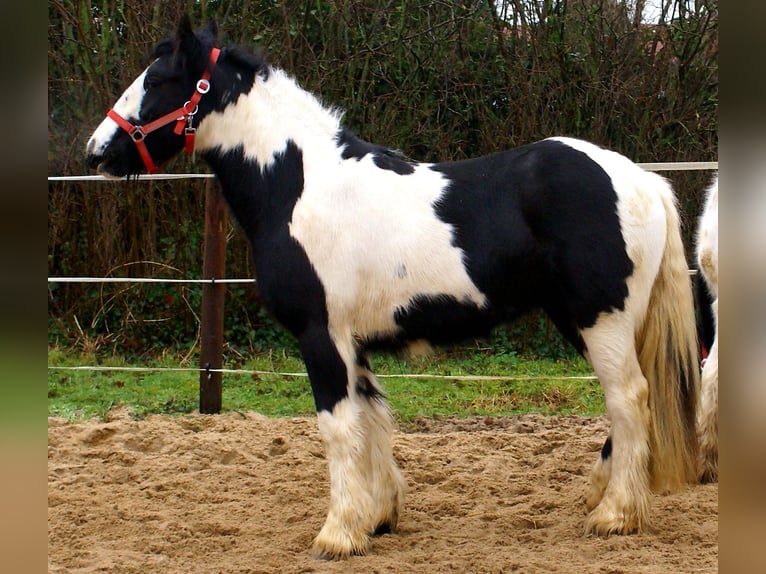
(203, 86)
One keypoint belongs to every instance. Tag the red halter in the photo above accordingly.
(182, 115)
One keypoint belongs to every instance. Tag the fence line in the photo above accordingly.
(680, 166)
(138, 177)
(649, 166)
(305, 375)
(212, 281)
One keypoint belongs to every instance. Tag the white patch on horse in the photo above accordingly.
(128, 106)
(395, 228)
(274, 112)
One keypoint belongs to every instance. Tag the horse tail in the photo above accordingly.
(668, 354)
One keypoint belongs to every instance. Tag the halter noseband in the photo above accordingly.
(182, 115)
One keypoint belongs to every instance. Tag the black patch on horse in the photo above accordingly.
(263, 201)
(383, 157)
(606, 450)
(443, 319)
(539, 228)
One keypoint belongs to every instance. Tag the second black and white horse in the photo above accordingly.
(355, 246)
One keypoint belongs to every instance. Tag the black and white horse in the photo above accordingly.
(355, 246)
(707, 261)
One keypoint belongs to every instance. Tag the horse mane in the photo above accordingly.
(247, 59)
(358, 148)
(236, 54)
(207, 37)
(163, 48)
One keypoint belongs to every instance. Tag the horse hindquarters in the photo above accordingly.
(366, 486)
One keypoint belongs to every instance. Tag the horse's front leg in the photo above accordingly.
(385, 482)
(365, 485)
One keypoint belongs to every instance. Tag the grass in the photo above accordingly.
(543, 385)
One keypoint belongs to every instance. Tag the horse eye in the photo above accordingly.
(152, 82)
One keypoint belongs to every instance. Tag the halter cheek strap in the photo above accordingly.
(182, 115)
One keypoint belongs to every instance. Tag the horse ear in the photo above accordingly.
(212, 28)
(189, 48)
(184, 29)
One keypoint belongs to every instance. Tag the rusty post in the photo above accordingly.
(211, 329)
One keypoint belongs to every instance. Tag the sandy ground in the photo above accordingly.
(240, 493)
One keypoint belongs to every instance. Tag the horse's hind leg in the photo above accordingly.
(602, 468)
(619, 494)
(365, 486)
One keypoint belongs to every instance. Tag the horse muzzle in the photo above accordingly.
(94, 161)
(104, 167)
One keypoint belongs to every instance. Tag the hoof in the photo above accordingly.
(604, 522)
(339, 545)
(320, 556)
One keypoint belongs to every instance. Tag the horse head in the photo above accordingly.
(156, 117)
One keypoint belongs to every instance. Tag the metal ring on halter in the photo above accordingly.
(137, 135)
(190, 113)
